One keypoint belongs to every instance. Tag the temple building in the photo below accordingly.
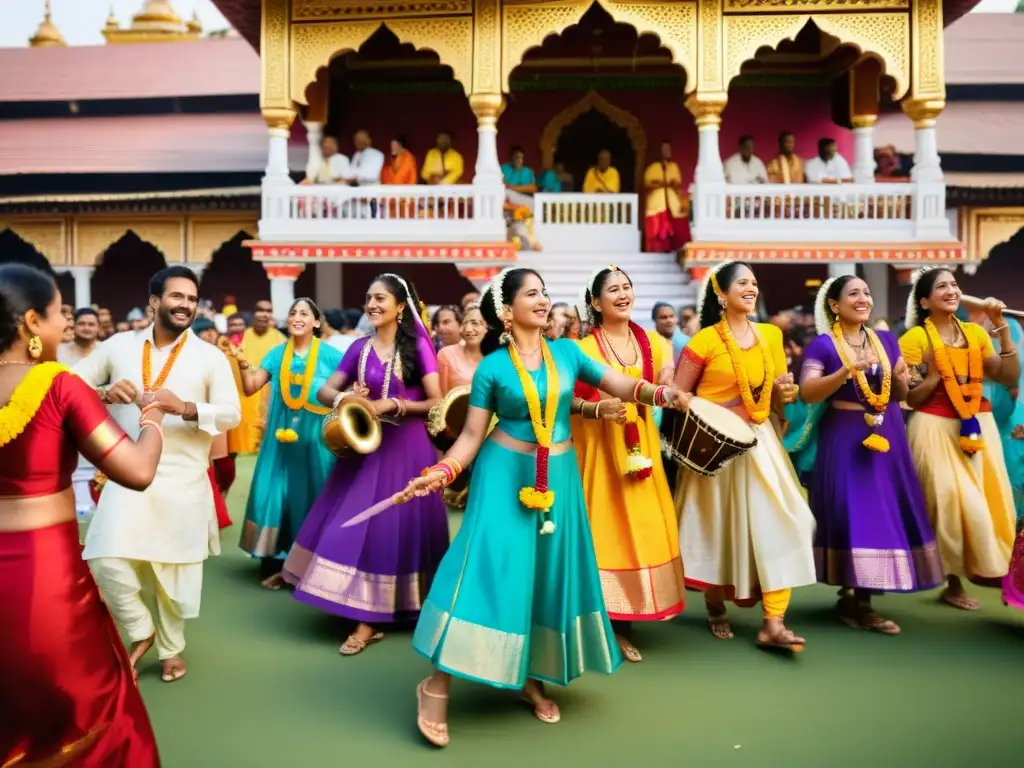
(206, 152)
(565, 79)
(981, 149)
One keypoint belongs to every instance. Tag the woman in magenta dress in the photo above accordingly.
(873, 534)
(379, 571)
(67, 694)
(1013, 582)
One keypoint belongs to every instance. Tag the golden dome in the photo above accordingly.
(47, 36)
(157, 16)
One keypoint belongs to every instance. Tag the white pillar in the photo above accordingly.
(282, 287)
(279, 127)
(328, 285)
(314, 135)
(840, 268)
(864, 148)
(876, 275)
(83, 285)
(487, 107)
(709, 157)
(927, 165)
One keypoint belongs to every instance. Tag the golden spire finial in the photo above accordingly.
(194, 24)
(47, 36)
(112, 19)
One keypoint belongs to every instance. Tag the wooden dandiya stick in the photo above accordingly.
(973, 302)
(376, 509)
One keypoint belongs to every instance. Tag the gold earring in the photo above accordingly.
(401, 314)
(35, 348)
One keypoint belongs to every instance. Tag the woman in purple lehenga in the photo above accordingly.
(873, 533)
(378, 571)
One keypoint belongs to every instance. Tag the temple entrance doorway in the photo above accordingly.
(582, 140)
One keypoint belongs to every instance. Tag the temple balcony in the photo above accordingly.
(334, 213)
(865, 213)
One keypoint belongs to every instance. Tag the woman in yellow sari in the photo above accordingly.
(632, 517)
(953, 436)
(747, 532)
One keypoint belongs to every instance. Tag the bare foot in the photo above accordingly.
(629, 651)
(138, 650)
(774, 635)
(174, 668)
(432, 712)
(544, 709)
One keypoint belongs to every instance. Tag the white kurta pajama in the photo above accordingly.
(146, 549)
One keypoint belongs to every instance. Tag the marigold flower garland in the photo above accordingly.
(966, 398)
(28, 395)
(879, 402)
(148, 385)
(539, 497)
(638, 466)
(301, 402)
(759, 407)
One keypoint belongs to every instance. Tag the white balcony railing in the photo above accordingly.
(324, 213)
(574, 222)
(834, 213)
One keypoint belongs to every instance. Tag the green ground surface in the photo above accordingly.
(266, 687)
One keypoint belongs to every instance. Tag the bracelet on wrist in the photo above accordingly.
(995, 331)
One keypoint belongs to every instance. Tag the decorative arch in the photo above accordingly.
(47, 236)
(94, 238)
(621, 117)
(526, 24)
(316, 45)
(884, 35)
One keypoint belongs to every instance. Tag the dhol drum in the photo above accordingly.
(706, 438)
(352, 428)
(445, 423)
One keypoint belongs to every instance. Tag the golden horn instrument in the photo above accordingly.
(973, 302)
(353, 428)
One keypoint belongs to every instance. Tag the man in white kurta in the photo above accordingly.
(146, 549)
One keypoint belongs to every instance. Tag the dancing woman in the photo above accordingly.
(293, 463)
(66, 688)
(873, 533)
(953, 437)
(747, 532)
(632, 517)
(517, 599)
(378, 571)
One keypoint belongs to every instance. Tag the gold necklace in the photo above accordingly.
(521, 353)
(632, 343)
(18, 362)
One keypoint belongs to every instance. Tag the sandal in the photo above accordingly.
(354, 646)
(963, 601)
(846, 607)
(875, 622)
(435, 733)
(629, 651)
(720, 625)
(785, 641)
(175, 670)
(551, 715)
(139, 649)
(274, 582)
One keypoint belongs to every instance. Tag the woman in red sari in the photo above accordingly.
(67, 694)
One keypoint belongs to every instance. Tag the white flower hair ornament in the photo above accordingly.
(584, 304)
(496, 288)
(823, 317)
(911, 314)
(710, 282)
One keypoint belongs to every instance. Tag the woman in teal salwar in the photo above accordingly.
(517, 600)
(293, 462)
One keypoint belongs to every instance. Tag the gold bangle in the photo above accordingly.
(645, 393)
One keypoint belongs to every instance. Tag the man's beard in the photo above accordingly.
(171, 323)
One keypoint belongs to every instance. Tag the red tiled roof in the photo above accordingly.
(964, 127)
(207, 67)
(152, 143)
(984, 48)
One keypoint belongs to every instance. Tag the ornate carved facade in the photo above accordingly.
(483, 41)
